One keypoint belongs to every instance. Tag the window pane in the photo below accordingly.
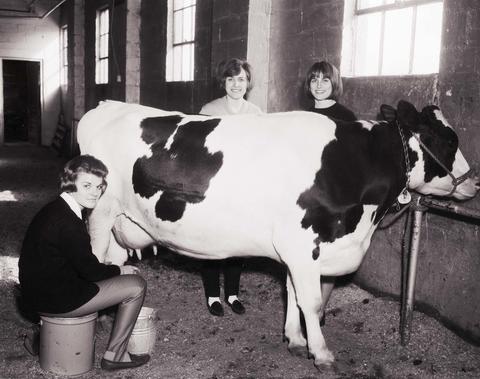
(177, 4)
(177, 27)
(177, 59)
(397, 42)
(187, 3)
(427, 38)
(189, 24)
(103, 22)
(187, 68)
(103, 46)
(367, 44)
(105, 71)
(362, 4)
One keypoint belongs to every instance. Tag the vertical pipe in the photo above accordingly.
(412, 271)
(407, 236)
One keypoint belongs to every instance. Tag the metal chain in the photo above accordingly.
(405, 153)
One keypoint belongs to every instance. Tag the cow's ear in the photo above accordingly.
(429, 115)
(388, 113)
(408, 115)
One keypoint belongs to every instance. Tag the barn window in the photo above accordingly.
(101, 46)
(391, 37)
(180, 40)
(64, 55)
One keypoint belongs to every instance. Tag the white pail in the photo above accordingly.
(144, 333)
(67, 345)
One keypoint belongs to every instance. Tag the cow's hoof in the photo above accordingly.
(325, 367)
(325, 362)
(298, 351)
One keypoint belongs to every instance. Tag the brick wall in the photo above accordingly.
(302, 32)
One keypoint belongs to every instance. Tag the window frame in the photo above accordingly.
(102, 52)
(64, 55)
(348, 69)
(174, 43)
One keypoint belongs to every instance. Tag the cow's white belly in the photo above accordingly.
(344, 255)
(212, 229)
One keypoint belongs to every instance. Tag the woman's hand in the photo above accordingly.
(127, 269)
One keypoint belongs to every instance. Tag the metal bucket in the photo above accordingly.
(144, 333)
(67, 345)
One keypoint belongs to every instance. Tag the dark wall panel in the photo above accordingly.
(221, 32)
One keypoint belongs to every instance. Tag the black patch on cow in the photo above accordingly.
(440, 139)
(360, 167)
(183, 171)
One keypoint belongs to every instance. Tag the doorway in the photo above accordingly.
(21, 101)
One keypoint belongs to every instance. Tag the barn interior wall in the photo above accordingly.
(115, 88)
(449, 264)
(221, 32)
(37, 40)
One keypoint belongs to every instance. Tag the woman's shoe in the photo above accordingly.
(322, 320)
(216, 308)
(237, 307)
(136, 361)
(31, 340)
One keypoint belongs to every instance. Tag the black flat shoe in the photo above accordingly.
(31, 340)
(137, 361)
(237, 307)
(216, 308)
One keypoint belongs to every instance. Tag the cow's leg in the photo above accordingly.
(306, 280)
(293, 331)
(327, 284)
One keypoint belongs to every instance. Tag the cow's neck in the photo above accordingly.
(396, 160)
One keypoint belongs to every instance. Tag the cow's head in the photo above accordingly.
(438, 166)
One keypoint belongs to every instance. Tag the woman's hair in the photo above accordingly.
(82, 163)
(329, 71)
(232, 68)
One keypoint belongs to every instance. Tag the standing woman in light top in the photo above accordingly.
(235, 76)
(323, 84)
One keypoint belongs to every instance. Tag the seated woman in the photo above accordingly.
(61, 277)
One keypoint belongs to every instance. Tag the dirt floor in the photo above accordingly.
(361, 329)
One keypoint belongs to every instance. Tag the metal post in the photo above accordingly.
(408, 302)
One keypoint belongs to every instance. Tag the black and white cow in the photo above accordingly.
(296, 187)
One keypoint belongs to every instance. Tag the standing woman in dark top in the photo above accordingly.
(323, 84)
(61, 277)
